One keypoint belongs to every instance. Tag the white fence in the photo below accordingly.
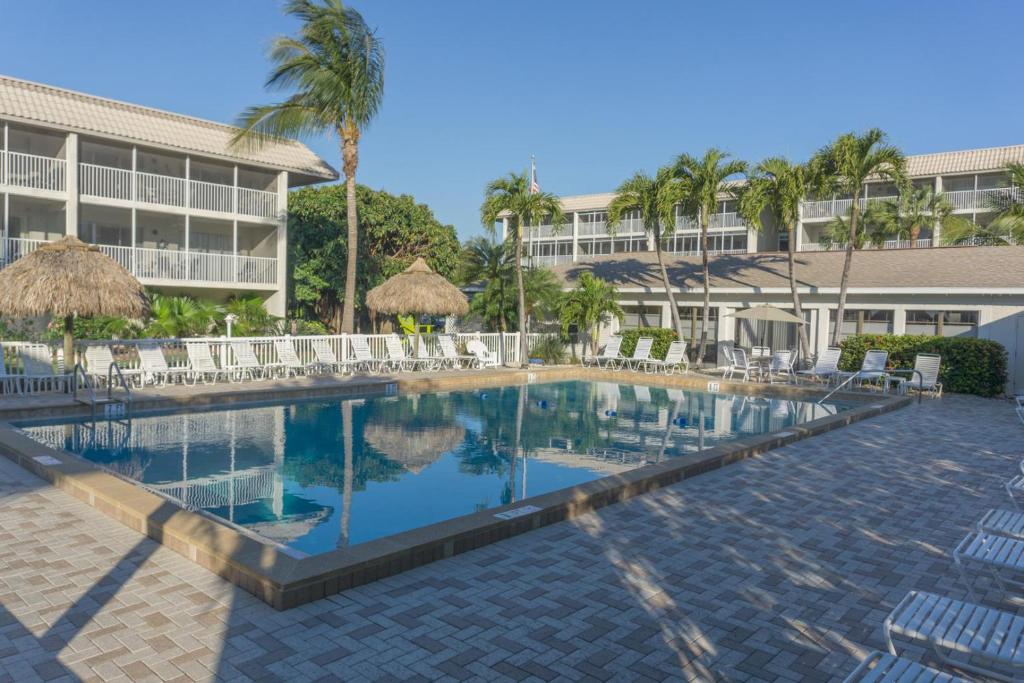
(33, 171)
(888, 244)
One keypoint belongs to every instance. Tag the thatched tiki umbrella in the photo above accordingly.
(420, 291)
(69, 278)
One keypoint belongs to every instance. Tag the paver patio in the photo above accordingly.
(777, 568)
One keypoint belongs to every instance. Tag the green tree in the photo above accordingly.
(180, 316)
(776, 187)
(336, 67)
(489, 264)
(511, 196)
(591, 303)
(253, 320)
(703, 181)
(917, 209)
(842, 167)
(396, 229)
(1008, 225)
(655, 199)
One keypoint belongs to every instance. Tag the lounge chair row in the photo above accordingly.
(611, 357)
(964, 635)
(31, 370)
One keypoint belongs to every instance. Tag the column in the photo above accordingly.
(277, 304)
(188, 239)
(799, 236)
(71, 178)
(821, 322)
(575, 236)
(134, 196)
(666, 314)
(937, 227)
(899, 320)
(234, 250)
(726, 331)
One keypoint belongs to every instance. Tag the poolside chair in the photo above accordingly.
(9, 382)
(364, 357)
(741, 365)
(154, 367)
(98, 360)
(675, 359)
(451, 353)
(201, 363)
(970, 637)
(780, 366)
(288, 359)
(429, 361)
(925, 375)
(484, 357)
(609, 355)
(325, 358)
(826, 365)
(398, 360)
(1000, 556)
(1003, 523)
(247, 364)
(37, 369)
(879, 667)
(641, 354)
(872, 369)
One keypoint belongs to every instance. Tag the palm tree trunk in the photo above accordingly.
(707, 286)
(524, 351)
(346, 501)
(845, 280)
(802, 329)
(915, 232)
(350, 160)
(69, 345)
(676, 322)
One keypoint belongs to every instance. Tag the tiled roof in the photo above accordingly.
(965, 161)
(983, 268)
(66, 109)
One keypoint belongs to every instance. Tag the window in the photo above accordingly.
(784, 240)
(862, 321)
(641, 316)
(943, 323)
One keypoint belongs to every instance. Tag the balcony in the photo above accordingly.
(829, 208)
(33, 172)
(982, 200)
(166, 264)
(549, 260)
(716, 221)
(888, 244)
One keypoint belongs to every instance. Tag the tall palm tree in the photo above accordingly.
(917, 208)
(842, 167)
(591, 303)
(703, 180)
(336, 66)
(1010, 206)
(655, 199)
(511, 196)
(777, 187)
(490, 263)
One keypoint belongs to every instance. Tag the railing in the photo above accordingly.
(888, 244)
(105, 181)
(257, 203)
(591, 228)
(715, 221)
(711, 252)
(34, 171)
(160, 189)
(210, 196)
(551, 260)
(13, 248)
(828, 208)
(973, 200)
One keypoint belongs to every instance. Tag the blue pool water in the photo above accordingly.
(320, 474)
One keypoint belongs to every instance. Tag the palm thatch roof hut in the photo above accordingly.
(69, 278)
(417, 290)
(414, 449)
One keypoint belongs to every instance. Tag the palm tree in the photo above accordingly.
(490, 263)
(252, 318)
(1008, 225)
(703, 180)
(1010, 206)
(591, 303)
(510, 196)
(842, 167)
(655, 199)
(180, 316)
(777, 187)
(336, 65)
(878, 223)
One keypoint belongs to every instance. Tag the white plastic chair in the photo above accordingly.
(363, 355)
(675, 359)
(37, 366)
(879, 667)
(289, 359)
(98, 359)
(781, 366)
(741, 365)
(201, 362)
(484, 357)
(609, 355)
(451, 353)
(826, 365)
(925, 376)
(397, 360)
(246, 363)
(154, 367)
(9, 382)
(326, 359)
(641, 354)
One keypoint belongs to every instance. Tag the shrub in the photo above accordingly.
(662, 338)
(969, 365)
(549, 349)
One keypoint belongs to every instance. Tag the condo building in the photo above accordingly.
(165, 195)
(895, 288)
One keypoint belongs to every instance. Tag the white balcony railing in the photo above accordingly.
(593, 228)
(167, 264)
(151, 188)
(715, 221)
(33, 171)
(827, 208)
(210, 196)
(257, 203)
(105, 181)
(981, 200)
(550, 260)
(888, 244)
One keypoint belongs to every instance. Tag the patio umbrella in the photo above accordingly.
(420, 291)
(767, 314)
(69, 278)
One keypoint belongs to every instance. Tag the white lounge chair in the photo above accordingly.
(484, 357)
(398, 360)
(641, 354)
(98, 360)
(1000, 556)
(872, 369)
(780, 366)
(9, 382)
(246, 363)
(427, 360)
(925, 375)
(879, 667)
(1003, 523)
(364, 359)
(675, 359)
(288, 358)
(609, 355)
(451, 353)
(970, 637)
(741, 365)
(326, 360)
(37, 369)
(154, 366)
(826, 365)
(201, 363)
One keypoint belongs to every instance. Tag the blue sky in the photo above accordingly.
(596, 90)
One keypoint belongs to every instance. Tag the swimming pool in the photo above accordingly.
(316, 475)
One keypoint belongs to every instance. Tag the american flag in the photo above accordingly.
(534, 185)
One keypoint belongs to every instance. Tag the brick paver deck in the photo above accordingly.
(778, 568)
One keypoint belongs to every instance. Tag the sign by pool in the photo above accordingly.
(713, 387)
(518, 512)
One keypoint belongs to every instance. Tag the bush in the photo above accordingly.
(662, 338)
(969, 366)
(549, 349)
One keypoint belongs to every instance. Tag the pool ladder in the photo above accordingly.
(115, 407)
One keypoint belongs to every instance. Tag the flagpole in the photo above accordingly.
(533, 181)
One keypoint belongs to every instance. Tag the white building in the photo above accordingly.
(163, 194)
(930, 289)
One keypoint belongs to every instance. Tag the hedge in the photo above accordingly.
(969, 365)
(662, 338)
